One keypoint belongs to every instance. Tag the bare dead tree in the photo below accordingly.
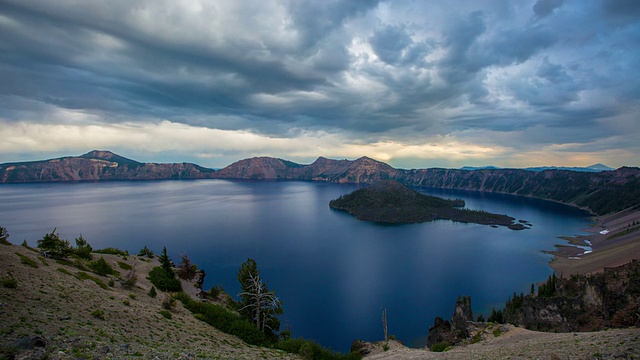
(384, 324)
(262, 304)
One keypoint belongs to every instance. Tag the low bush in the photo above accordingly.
(163, 281)
(64, 271)
(83, 249)
(152, 293)
(84, 276)
(308, 349)
(112, 251)
(98, 314)
(440, 347)
(146, 252)
(124, 266)
(27, 261)
(9, 282)
(215, 291)
(230, 323)
(165, 313)
(224, 320)
(101, 267)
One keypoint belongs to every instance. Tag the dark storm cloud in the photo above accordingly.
(389, 43)
(373, 70)
(544, 8)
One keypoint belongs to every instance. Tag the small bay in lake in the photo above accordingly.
(334, 273)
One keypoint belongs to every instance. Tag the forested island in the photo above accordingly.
(393, 203)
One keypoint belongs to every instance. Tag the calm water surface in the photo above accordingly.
(334, 273)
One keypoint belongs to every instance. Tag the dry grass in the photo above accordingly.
(80, 319)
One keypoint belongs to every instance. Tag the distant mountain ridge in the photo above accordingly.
(600, 192)
(590, 168)
(97, 165)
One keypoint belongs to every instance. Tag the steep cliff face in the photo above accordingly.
(98, 165)
(581, 302)
(362, 170)
(602, 193)
(259, 168)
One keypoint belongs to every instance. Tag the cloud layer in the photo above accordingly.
(413, 83)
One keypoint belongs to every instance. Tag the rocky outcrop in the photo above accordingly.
(580, 302)
(452, 333)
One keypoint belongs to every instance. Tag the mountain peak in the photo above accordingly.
(109, 156)
(600, 167)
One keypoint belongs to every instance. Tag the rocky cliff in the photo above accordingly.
(455, 331)
(98, 165)
(602, 193)
(580, 302)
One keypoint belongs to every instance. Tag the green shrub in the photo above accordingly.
(64, 271)
(165, 313)
(9, 282)
(497, 332)
(111, 283)
(152, 293)
(84, 276)
(101, 267)
(98, 314)
(164, 281)
(215, 291)
(126, 302)
(308, 349)
(54, 246)
(27, 261)
(224, 320)
(146, 252)
(112, 251)
(440, 346)
(83, 249)
(124, 266)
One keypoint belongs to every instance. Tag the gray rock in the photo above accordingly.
(29, 342)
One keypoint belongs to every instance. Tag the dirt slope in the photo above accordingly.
(52, 303)
(519, 343)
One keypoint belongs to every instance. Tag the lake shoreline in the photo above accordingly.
(618, 245)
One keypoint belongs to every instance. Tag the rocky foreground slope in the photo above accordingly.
(50, 310)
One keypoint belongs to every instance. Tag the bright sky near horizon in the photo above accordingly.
(413, 83)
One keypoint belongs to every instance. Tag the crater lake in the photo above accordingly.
(333, 272)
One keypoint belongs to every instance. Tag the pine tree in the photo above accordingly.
(165, 262)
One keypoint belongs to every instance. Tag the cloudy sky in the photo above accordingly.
(413, 83)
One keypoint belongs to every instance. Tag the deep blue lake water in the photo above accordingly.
(334, 273)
